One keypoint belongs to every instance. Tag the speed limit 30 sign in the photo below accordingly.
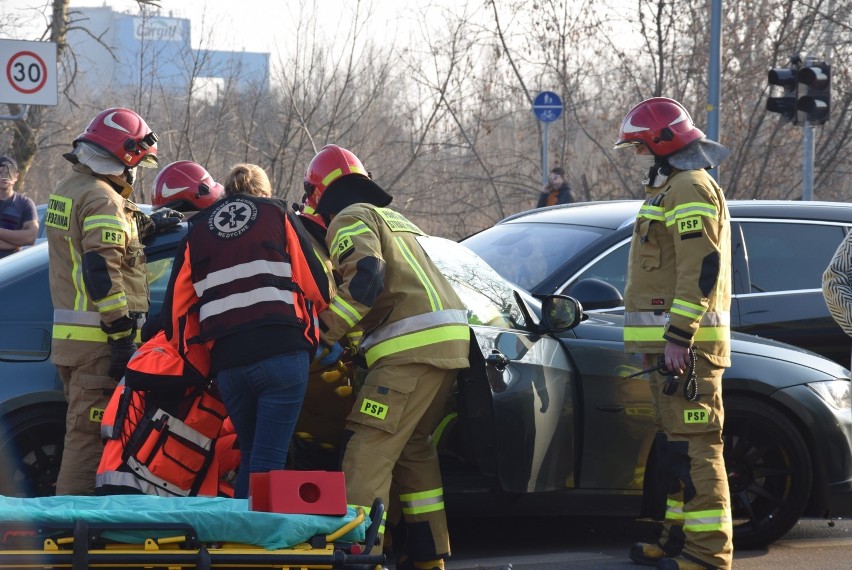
(28, 72)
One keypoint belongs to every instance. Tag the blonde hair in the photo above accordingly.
(248, 179)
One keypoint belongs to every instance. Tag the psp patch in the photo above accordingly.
(96, 415)
(696, 416)
(690, 227)
(112, 237)
(232, 218)
(375, 409)
(344, 244)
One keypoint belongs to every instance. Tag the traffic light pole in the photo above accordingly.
(808, 161)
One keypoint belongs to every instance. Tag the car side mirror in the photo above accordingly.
(596, 294)
(560, 313)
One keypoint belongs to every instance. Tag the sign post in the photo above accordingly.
(28, 73)
(547, 107)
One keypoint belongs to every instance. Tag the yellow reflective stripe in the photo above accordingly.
(645, 319)
(704, 333)
(651, 212)
(82, 333)
(422, 502)
(112, 222)
(112, 302)
(674, 510)
(416, 323)
(345, 311)
(332, 176)
(77, 277)
(691, 209)
(431, 292)
(439, 431)
(355, 229)
(686, 309)
(417, 340)
(707, 521)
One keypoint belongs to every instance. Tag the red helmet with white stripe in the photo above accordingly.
(185, 186)
(661, 124)
(123, 134)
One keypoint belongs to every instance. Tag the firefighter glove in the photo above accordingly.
(165, 218)
(328, 355)
(158, 221)
(120, 352)
(120, 337)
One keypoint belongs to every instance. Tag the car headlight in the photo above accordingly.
(838, 393)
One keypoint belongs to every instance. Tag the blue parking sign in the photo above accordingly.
(547, 106)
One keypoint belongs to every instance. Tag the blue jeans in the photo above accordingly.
(263, 400)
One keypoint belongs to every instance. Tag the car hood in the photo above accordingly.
(609, 327)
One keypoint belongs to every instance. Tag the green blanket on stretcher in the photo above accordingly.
(214, 519)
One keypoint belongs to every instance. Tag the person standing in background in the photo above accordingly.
(18, 218)
(556, 191)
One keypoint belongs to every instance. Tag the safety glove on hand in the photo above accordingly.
(160, 220)
(120, 337)
(328, 355)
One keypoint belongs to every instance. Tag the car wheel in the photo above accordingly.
(31, 443)
(769, 471)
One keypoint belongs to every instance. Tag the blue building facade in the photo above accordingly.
(152, 51)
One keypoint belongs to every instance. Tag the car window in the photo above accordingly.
(158, 278)
(489, 298)
(611, 267)
(788, 256)
(527, 253)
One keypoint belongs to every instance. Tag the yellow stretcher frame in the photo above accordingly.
(80, 546)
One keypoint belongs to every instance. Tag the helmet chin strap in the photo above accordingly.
(658, 174)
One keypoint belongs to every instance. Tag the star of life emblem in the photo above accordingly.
(232, 218)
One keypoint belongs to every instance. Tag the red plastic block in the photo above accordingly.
(298, 492)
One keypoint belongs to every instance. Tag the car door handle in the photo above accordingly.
(497, 359)
(495, 365)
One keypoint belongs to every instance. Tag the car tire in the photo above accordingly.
(31, 443)
(769, 471)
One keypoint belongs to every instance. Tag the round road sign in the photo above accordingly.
(26, 72)
(547, 106)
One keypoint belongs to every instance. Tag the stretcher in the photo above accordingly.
(142, 531)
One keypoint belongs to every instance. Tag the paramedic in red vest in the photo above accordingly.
(98, 281)
(257, 287)
(416, 340)
(165, 429)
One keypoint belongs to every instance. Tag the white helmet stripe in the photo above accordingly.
(110, 123)
(629, 127)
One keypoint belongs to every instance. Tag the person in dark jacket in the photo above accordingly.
(557, 190)
(247, 267)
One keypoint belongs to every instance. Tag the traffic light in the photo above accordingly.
(815, 99)
(787, 78)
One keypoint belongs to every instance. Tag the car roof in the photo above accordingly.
(614, 214)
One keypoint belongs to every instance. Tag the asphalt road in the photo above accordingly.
(555, 543)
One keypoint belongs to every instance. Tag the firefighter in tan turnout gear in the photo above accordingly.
(677, 303)
(416, 339)
(98, 280)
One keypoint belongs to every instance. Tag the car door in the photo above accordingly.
(530, 380)
(533, 400)
(782, 298)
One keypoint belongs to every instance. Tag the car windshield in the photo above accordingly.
(528, 253)
(488, 297)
